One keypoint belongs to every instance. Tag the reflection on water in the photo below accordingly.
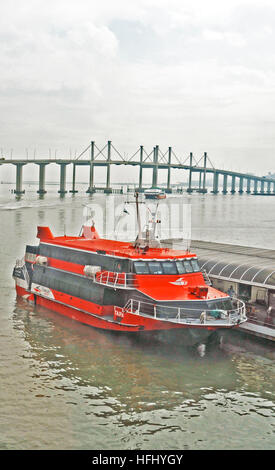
(139, 394)
(68, 386)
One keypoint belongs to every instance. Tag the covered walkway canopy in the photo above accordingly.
(254, 266)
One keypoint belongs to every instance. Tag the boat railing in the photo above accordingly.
(185, 314)
(26, 275)
(116, 279)
(206, 278)
(267, 322)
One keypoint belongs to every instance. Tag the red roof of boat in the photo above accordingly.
(110, 247)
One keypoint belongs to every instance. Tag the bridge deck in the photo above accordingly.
(144, 164)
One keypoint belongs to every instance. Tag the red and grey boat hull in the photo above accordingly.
(97, 282)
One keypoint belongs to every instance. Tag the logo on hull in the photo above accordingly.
(45, 291)
(179, 282)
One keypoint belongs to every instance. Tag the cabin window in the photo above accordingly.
(155, 267)
(188, 266)
(141, 267)
(118, 267)
(195, 265)
(169, 267)
(227, 304)
(181, 268)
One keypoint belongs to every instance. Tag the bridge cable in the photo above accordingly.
(83, 152)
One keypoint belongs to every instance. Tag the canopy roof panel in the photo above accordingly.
(239, 263)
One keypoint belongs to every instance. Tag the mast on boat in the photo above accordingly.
(148, 238)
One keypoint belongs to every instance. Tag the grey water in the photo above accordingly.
(64, 385)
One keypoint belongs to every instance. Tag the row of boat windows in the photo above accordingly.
(112, 264)
(67, 283)
(76, 286)
(84, 258)
(166, 267)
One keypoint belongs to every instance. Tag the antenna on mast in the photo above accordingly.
(138, 219)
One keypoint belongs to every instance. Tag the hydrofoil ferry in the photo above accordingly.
(137, 287)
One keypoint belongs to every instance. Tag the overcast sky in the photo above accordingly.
(195, 75)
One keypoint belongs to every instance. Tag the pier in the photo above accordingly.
(243, 272)
(249, 274)
(231, 181)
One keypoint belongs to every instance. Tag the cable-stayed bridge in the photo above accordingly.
(226, 181)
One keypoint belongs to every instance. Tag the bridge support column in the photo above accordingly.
(203, 189)
(189, 189)
(241, 185)
(233, 184)
(108, 189)
(41, 189)
(273, 187)
(224, 188)
(168, 187)
(248, 182)
(255, 187)
(73, 190)
(140, 187)
(269, 187)
(19, 179)
(62, 186)
(215, 183)
(91, 188)
(262, 186)
(155, 168)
